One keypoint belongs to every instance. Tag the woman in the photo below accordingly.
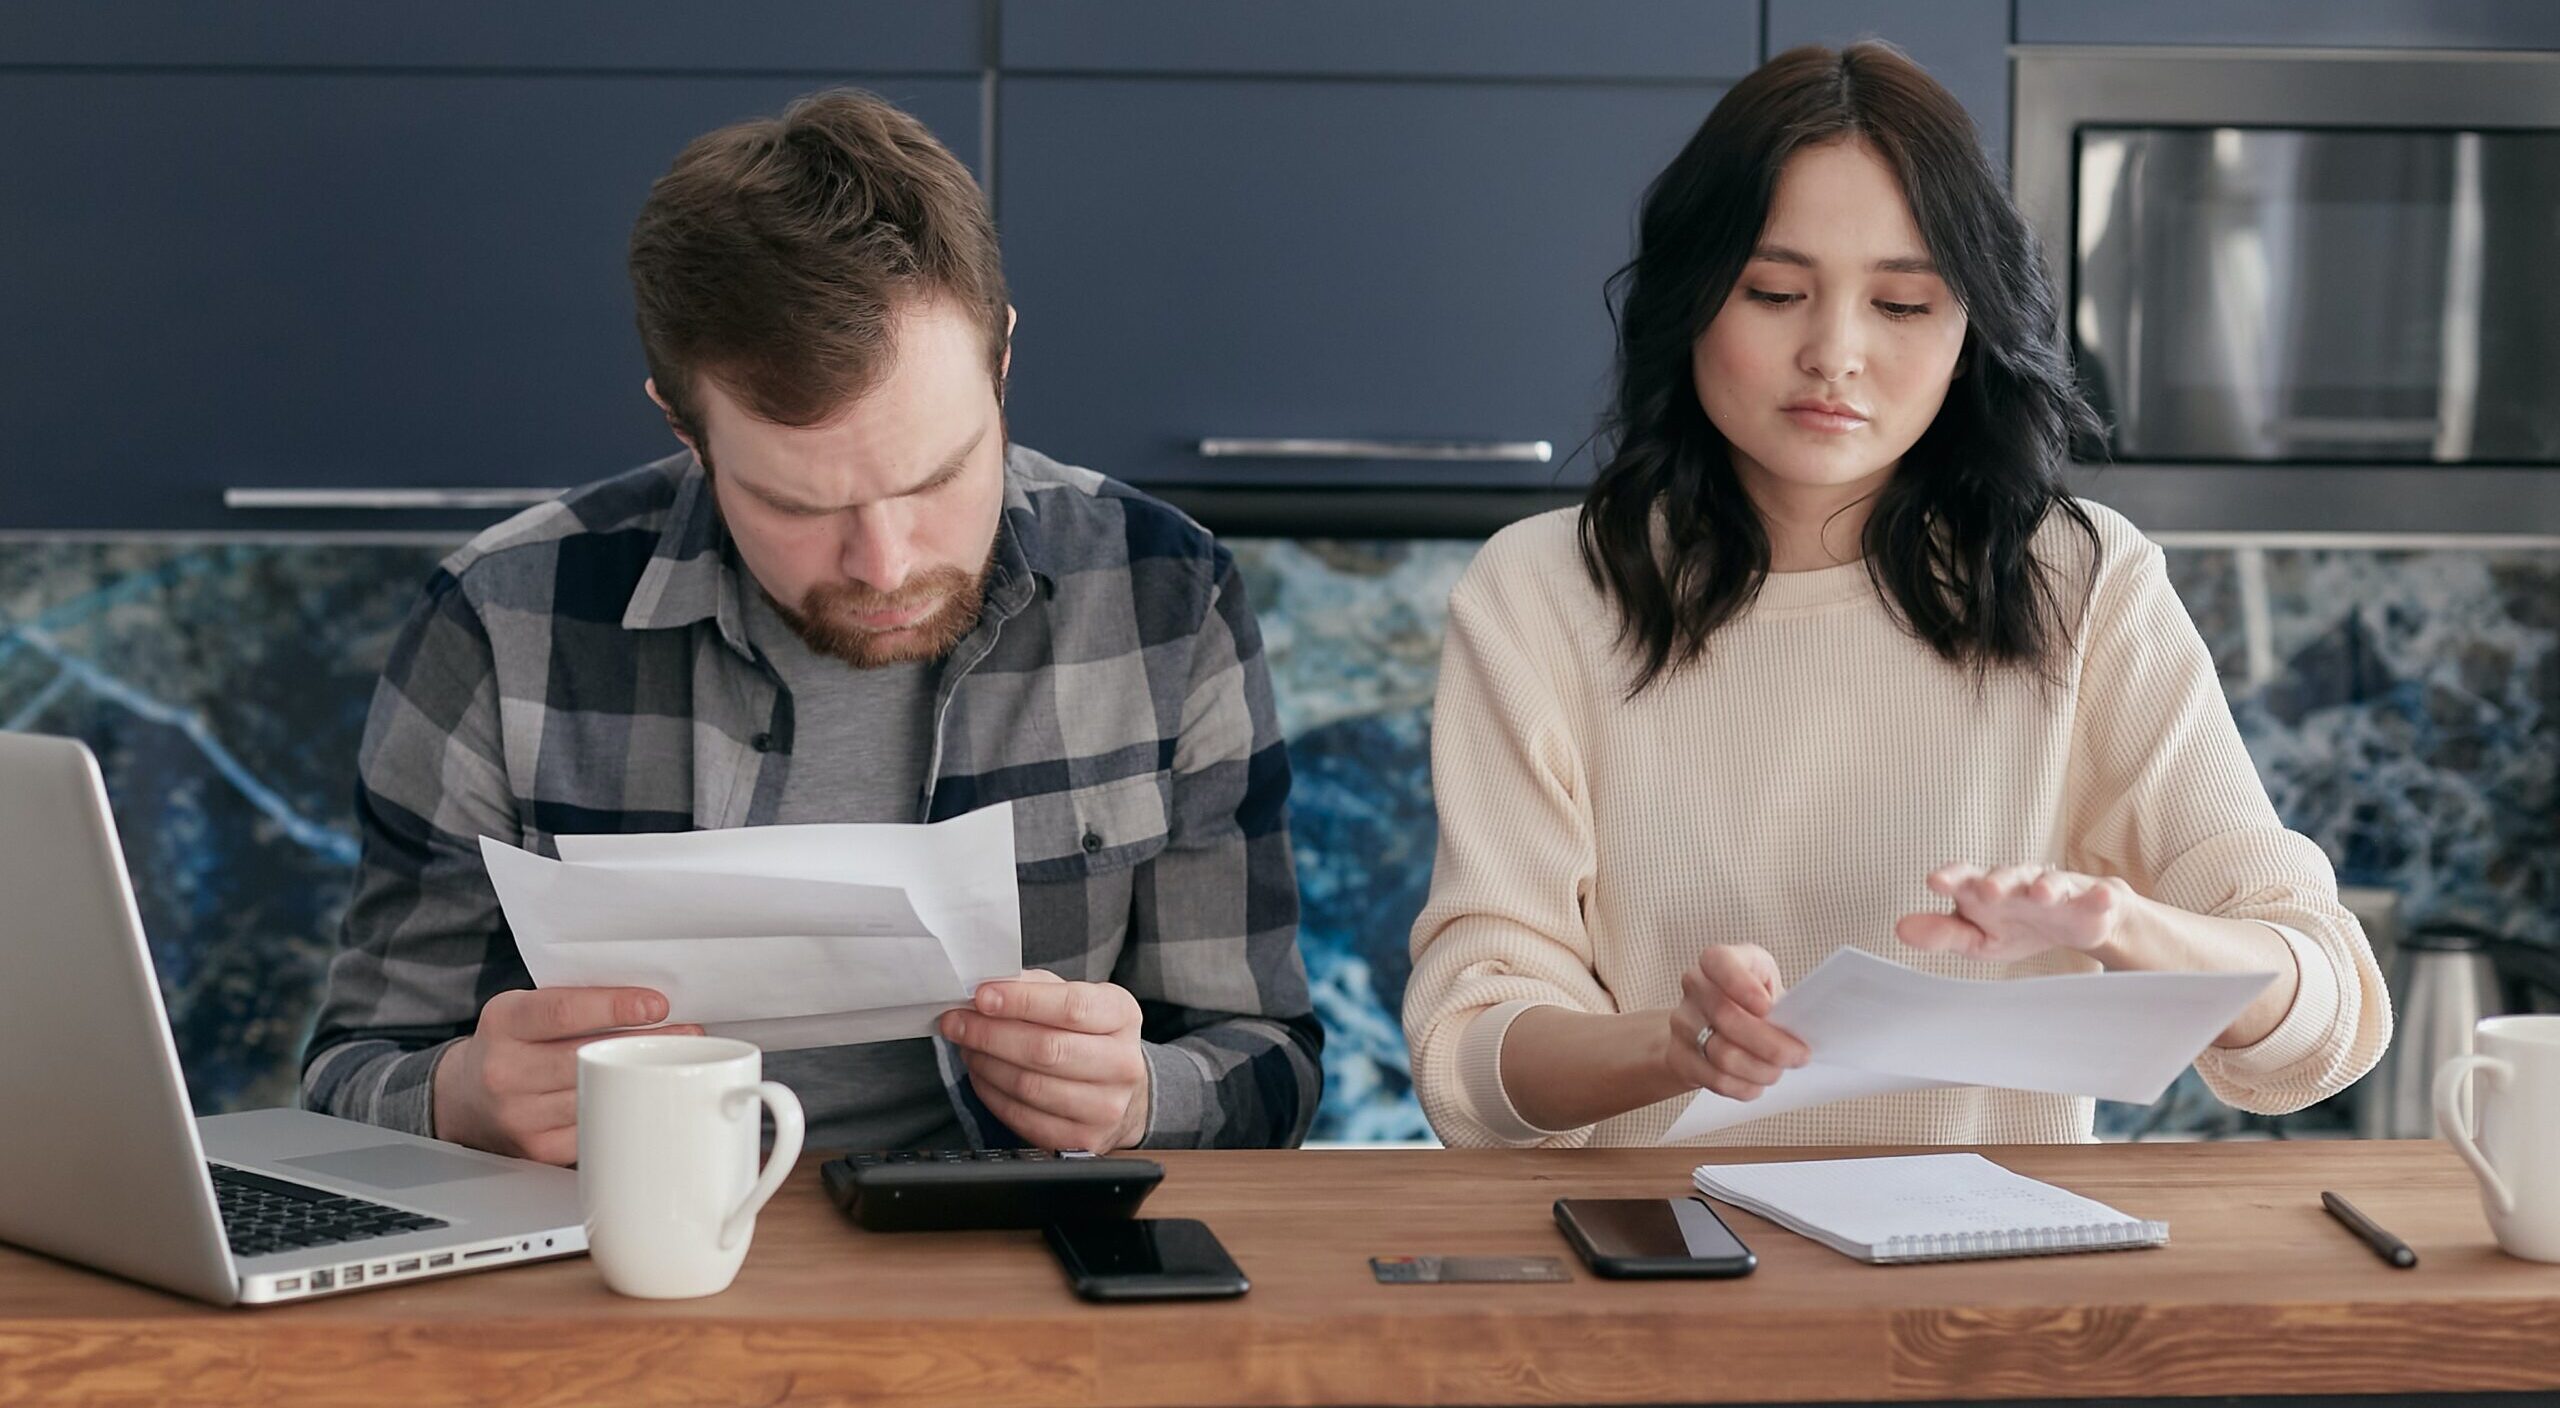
(1829, 657)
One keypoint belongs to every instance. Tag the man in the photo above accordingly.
(848, 599)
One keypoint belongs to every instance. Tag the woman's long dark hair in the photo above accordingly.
(1668, 532)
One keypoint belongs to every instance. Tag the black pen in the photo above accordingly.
(2385, 1246)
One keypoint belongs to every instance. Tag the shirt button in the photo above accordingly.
(762, 743)
(1092, 842)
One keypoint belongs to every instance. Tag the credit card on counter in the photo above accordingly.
(1448, 1270)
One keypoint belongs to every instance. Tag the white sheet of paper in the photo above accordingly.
(1876, 1027)
(958, 873)
(787, 936)
(1810, 1084)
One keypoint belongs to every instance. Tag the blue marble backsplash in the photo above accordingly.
(2403, 707)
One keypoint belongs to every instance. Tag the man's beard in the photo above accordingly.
(824, 620)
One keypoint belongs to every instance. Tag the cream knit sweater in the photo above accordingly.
(1793, 787)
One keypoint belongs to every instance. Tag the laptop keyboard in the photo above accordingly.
(262, 1215)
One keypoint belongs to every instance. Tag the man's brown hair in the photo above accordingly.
(775, 255)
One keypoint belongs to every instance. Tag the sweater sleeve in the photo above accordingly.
(1503, 930)
(2163, 794)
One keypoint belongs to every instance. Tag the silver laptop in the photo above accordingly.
(101, 1160)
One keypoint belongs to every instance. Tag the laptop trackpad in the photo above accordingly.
(395, 1166)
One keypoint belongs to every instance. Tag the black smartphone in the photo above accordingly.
(1652, 1237)
(1144, 1258)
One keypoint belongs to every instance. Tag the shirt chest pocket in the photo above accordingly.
(1086, 831)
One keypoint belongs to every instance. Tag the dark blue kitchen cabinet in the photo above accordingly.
(1963, 44)
(214, 281)
(301, 244)
(1678, 40)
(2412, 24)
(1335, 266)
(874, 36)
(1217, 259)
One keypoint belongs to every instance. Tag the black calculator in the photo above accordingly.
(955, 1189)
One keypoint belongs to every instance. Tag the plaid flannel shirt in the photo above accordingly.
(585, 668)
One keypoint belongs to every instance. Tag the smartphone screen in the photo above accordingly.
(1144, 1258)
(1652, 1237)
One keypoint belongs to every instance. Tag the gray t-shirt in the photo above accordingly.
(860, 740)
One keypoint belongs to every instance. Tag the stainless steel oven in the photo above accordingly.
(2308, 290)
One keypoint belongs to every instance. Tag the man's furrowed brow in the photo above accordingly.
(950, 467)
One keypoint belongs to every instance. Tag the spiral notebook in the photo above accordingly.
(1925, 1207)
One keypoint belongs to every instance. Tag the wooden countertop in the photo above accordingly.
(2259, 1292)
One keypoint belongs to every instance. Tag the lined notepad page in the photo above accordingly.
(1925, 1207)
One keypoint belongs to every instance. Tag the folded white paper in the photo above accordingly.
(1875, 1027)
(787, 936)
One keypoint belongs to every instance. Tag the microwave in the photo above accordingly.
(2306, 290)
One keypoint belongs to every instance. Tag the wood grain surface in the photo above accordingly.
(2259, 1292)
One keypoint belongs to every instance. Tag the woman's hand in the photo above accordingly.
(1728, 996)
(2017, 911)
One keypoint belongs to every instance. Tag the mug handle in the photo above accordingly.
(2449, 1082)
(788, 1126)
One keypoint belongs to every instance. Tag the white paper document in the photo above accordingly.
(786, 936)
(1875, 1027)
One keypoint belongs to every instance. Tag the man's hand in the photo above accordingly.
(1059, 1062)
(2017, 911)
(511, 1087)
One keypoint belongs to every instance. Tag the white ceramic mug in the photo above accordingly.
(2512, 1142)
(667, 1134)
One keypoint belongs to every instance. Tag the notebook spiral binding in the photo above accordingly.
(2023, 1241)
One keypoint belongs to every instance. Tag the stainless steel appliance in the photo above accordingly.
(2308, 289)
(2444, 983)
